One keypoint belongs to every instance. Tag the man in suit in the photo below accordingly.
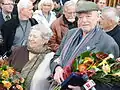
(6, 10)
(15, 31)
(88, 36)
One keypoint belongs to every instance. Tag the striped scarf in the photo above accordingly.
(75, 45)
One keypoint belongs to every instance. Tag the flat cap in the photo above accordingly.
(86, 6)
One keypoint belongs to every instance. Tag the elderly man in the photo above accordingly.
(61, 25)
(6, 10)
(88, 36)
(16, 30)
(109, 22)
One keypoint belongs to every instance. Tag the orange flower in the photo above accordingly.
(82, 67)
(19, 87)
(7, 84)
(10, 71)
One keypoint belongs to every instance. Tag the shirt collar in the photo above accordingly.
(4, 15)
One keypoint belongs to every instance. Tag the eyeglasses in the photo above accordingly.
(8, 3)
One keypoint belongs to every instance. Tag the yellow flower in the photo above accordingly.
(5, 75)
(106, 68)
(7, 84)
(10, 71)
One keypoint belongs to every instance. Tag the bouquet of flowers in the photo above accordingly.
(97, 66)
(9, 78)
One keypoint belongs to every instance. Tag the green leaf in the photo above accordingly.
(85, 54)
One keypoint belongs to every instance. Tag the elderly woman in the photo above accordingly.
(33, 60)
(44, 13)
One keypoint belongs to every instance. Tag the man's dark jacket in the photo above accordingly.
(8, 31)
(115, 33)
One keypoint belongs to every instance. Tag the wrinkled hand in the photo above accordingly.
(118, 59)
(74, 87)
(58, 76)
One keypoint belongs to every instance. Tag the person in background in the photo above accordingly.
(88, 36)
(5, 15)
(44, 14)
(33, 60)
(118, 9)
(62, 24)
(6, 10)
(101, 4)
(57, 8)
(109, 22)
(0, 4)
(15, 31)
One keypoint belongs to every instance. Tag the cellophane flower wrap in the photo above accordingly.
(10, 79)
(98, 66)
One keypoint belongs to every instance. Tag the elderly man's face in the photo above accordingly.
(70, 13)
(27, 12)
(88, 20)
(105, 22)
(7, 6)
(35, 40)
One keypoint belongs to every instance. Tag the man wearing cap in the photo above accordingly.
(88, 36)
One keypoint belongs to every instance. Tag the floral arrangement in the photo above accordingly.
(98, 66)
(9, 78)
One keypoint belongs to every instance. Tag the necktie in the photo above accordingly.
(7, 17)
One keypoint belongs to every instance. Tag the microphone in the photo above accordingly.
(89, 83)
(78, 80)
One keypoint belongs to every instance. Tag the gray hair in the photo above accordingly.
(68, 4)
(23, 4)
(45, 2)
(43, 31)
(111, 13)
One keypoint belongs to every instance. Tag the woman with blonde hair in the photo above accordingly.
(44, 13)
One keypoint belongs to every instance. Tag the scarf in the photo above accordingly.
(31, 66)
(75, 45)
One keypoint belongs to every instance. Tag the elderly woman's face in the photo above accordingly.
(35, 41)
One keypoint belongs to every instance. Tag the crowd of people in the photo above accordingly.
(40, 37)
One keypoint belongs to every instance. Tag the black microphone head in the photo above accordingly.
(85, 77)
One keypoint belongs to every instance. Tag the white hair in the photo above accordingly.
(111, 13)
(23, 4)
(68, 4)
(43, 31)
(45, 2)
